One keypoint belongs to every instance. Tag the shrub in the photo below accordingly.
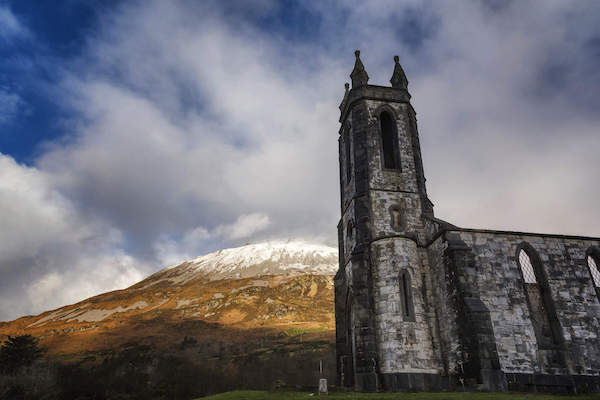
(18, 352)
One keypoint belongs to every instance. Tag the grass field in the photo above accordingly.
(285, 395)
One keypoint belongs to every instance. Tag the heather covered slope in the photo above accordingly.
(273, 289)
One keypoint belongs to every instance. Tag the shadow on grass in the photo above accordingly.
(290, 395)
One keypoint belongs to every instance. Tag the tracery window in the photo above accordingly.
(593, 262)
(389, 141)
(541, 310)
(526, 267)
(594, 272)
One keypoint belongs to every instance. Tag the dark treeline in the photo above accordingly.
(140, 371)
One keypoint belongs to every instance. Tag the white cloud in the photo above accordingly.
(32, 211)
(41, 290)
(89, 276)
(49, 251)
(244, 227)
(10, 26)
(157, 165)
(171, 251)
(186, 122)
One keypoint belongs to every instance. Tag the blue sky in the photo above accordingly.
(47, 35)
(137, 134)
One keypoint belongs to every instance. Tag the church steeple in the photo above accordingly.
(383, 334)
(399, 77)
(359, 75)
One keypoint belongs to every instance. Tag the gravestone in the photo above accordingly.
(322, 386)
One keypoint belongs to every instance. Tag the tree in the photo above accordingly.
(18, 352)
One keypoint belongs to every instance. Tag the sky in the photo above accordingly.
(137, 134)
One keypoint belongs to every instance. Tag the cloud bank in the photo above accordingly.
(193, 127)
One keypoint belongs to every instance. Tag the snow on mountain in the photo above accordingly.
(267, 258)
(276, 284)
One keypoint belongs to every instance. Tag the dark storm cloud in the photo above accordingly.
(191, 129)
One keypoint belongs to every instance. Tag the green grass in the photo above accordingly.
(297, 331)
(284, 395)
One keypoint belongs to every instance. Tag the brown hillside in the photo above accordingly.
(216, 314)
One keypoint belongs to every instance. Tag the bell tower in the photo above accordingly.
(384, 323)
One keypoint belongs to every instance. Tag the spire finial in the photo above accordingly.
(343, 104)
(399, 77)
(359, 75)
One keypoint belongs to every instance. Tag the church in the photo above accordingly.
(421, 304)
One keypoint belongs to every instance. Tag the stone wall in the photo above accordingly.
(500, 286)
(404, 338)
(443, 299)
(382, 203)
(477, 282)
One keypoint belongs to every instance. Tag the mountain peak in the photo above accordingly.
(275, 257)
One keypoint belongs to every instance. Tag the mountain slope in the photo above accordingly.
(274, 289)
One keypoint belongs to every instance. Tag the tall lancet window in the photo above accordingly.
(593, 262)
(406, 301)
(541, 309)
(526, 267)
(389, 141)
(348, 155)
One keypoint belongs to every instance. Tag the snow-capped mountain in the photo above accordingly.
(275, 286)
(252, 260)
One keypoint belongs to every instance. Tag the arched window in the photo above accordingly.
(350, 230)
(389, 141)
(408, 312)
(348, 155)
(348, 321)
(347, 360)
(526, 267)
(593, 262)
(396, 218)
(541, 309)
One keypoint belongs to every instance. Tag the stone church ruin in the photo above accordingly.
(422, 304)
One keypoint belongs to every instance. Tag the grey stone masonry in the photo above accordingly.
(421, 304)
(384, 324)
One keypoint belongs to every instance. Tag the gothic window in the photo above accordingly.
(594, 270)
(389, 141)
(347, 360)
(541, 309)
(408, 312)
(526, 267)
(348, 321)
(350, 230)
(396, 217)
(593, 262)
(348, 155)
